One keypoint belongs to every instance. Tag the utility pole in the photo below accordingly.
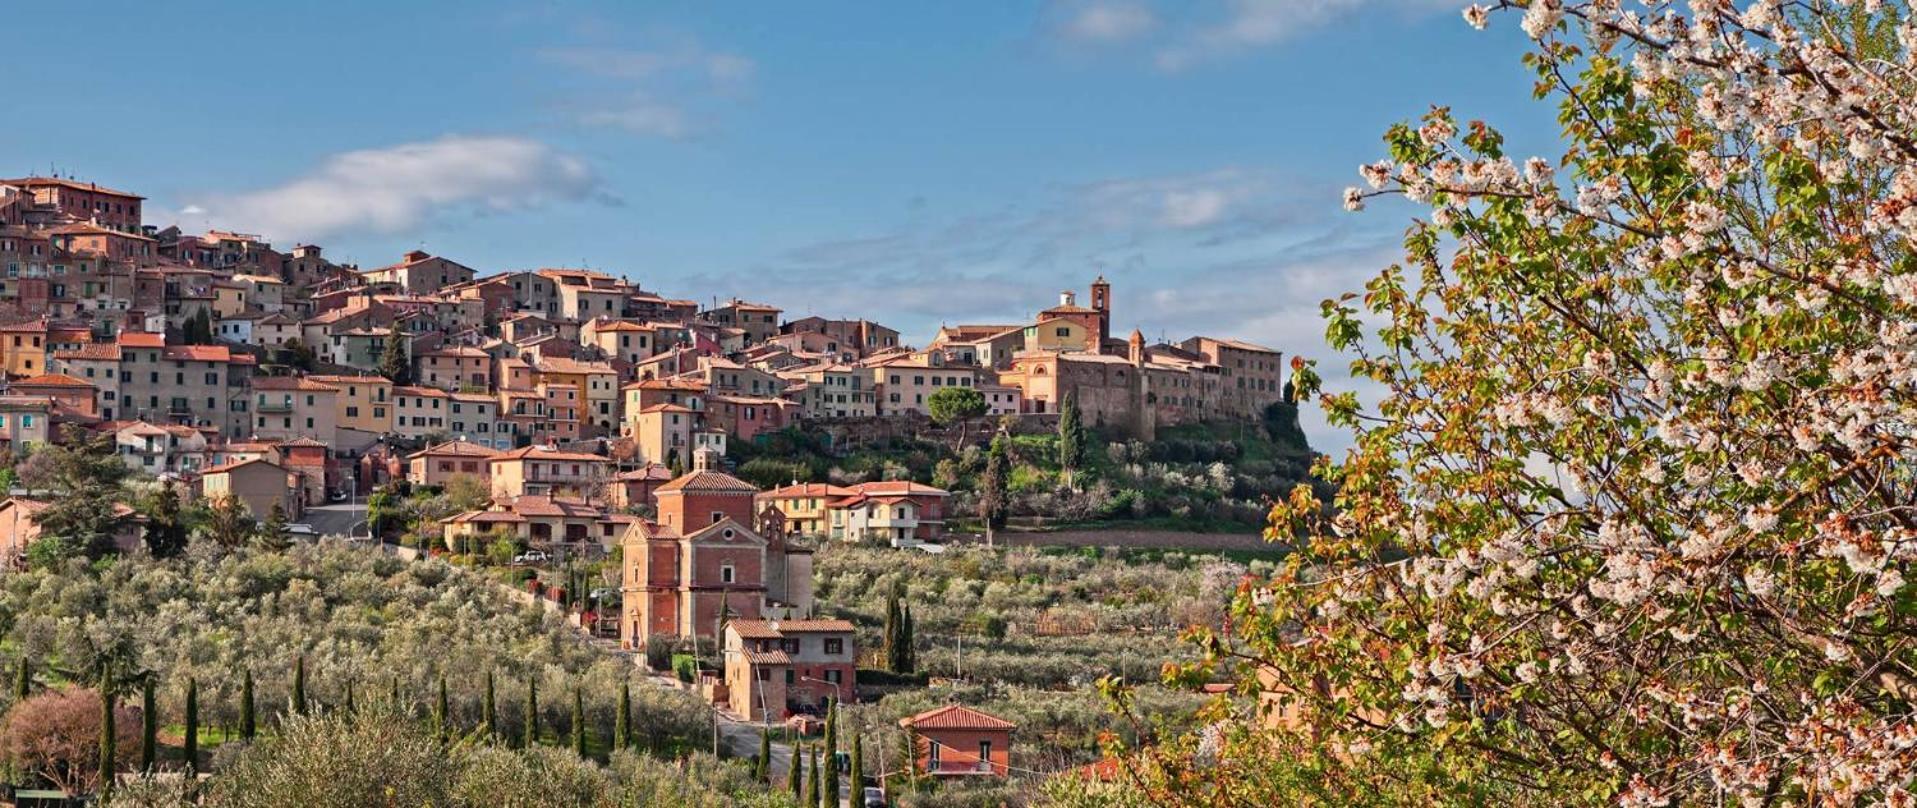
(718, 622)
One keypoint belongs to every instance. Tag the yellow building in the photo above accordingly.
(619, 339)
(1059, 335)
(662, 432)
(804, 506)
(597, 385)
(23, 348)
(229, 298)
(364, 402)
(907, 386)
(539, 470)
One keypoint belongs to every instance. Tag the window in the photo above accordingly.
(834, 645)
(726, 574)
(718, 515)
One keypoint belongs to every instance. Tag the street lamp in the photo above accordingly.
(838, 688)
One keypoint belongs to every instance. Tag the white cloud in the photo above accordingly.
(1106, 21)
(1195, 207)
(398, 188)
(642, 115)
(655, 91)
(1248, 24)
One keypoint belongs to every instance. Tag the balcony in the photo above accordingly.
(281, 406)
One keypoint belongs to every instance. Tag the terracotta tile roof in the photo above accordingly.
(304, 440)
(689, 385)
(954, 716)
(808, 490)
(222, 469)
(772, 629)
(454, 448)
(197, 353)
(899, 488)
(368, 379)
(541, 505)
(141, 339)
(488, 517)
(652, 471)
(767, 657)
(292, 383)
(543, 453)
(424, 392)
(668, 408)
(460, 351)
(52, 380)
(619, 325)
(560, 364)
(709, 481)
(38, 182)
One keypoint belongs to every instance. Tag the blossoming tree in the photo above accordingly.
(1631, 520)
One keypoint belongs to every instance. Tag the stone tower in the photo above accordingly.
(1102, 303)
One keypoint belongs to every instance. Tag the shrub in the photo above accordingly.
(55, 735)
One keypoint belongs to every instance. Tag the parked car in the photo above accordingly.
(532, 557)
(874, 797)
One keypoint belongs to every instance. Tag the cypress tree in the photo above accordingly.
(858, 768)
(829, 789)
(578, 722)
(622, 723)
(192, 730)
(811, 796)
(532, 713)
(393, 363)
(992, 494)
(907, 649)
(831, 725)
(440, 726)
(23, 681)
(149, 728)
(764, 767)
(1071, 434)
(891, 642)
(248, 724)
(299, 685)
(488, 708)
(795, 773)
(107, 735)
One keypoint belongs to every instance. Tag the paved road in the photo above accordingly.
(338, 519)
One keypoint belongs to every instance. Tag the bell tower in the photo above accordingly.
(1102, 303)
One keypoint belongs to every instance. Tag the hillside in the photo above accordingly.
(375, 649)
(1214, 477)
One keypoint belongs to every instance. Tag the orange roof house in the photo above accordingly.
(958, 741)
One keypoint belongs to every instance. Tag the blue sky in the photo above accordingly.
(914, 163)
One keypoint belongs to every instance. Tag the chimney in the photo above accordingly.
(1067, 298)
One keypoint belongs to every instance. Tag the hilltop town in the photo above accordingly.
(203, 352)
(652, 469)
